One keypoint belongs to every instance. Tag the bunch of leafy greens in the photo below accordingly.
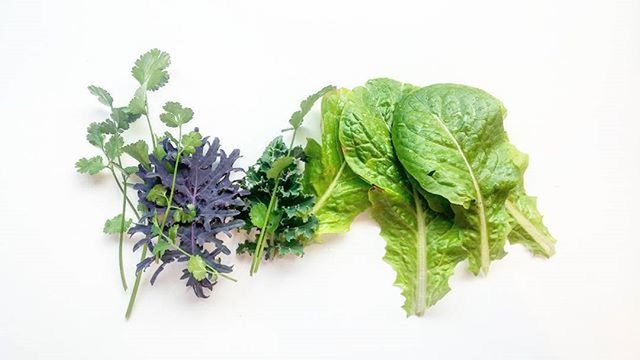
(434, 163)
(445, 183)
(186, 194)
(280, 210)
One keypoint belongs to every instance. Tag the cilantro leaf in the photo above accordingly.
(197, 267)
(90, 166)
(113, 147)
(258, 214)
(95, 134)
(160, 248)
(150, 69)
(190, 141)
(175, 115)
(306, 105)
(279, 165)
(138, 150)
(114, 225)
(138, 104)
(158, 195)
(181, 216)
(173, 233)
(120, 119)
(130, 170)
(102, 95)
(108, 127)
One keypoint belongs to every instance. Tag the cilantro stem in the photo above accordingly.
(146, 114)
(134, 292)
(133, 208)
(121, 239)
(257, 256)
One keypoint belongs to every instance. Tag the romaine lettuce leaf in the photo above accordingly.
(527, 226)
(340, 194)
(450, 139)
(423, 247)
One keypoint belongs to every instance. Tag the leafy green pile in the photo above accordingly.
(434, 164)
(443, 181)
(186, 186)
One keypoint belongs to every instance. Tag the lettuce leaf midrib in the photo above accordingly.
(484, 240)
(329, 190)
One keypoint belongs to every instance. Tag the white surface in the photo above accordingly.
(569, 73)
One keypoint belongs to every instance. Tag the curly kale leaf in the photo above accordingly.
(290, 224)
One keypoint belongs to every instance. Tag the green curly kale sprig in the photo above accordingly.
(290, 225)
(279, 209)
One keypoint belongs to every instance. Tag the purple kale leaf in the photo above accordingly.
(205, 203)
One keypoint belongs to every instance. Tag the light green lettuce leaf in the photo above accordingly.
(527, 226)
(450, 139)
(341, 195)
(423, 247)
(365, 137)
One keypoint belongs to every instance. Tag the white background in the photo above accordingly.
(568, 72)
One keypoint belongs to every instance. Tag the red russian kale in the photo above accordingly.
(206, 200)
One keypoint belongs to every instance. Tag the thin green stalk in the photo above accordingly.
(173, 182)
(257, 256)
(134, 292)
(146, 114)
(121, 240)
(133, 208)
